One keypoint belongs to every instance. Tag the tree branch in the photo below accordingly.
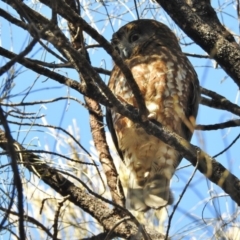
(97, 125)
(32, 220)
(227, 124)
(95, 206)
(207, 32)
(218, 101)
(16, 176)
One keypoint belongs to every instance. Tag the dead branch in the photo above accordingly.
(92, 204)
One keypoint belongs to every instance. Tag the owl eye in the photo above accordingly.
(134, 37)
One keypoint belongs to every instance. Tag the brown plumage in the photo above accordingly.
(170, 88)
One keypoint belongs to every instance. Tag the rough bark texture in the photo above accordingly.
(96, 121)
(198, 20)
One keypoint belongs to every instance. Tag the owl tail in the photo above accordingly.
(135, 199)
(154, 194)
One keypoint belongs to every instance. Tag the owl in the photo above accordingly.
(170, 88)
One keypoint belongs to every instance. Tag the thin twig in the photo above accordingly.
(218, 101)
(196, 55)
(43, 102)
(8, 65)
(30, 220)
(56, 217)
(52, 153)
(58, 128)
(17, 178)
(227, 124)
(224, 150)
(180, 198)
(136, 9)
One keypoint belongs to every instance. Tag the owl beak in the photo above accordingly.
(125, 53)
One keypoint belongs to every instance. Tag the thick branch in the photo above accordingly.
(212, 37)
(204, 10)
(97, 125)
(96, 207)
(97, 129)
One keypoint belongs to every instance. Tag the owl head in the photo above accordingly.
(141, 37)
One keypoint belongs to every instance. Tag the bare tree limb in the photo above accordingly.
(207, 32)
(8, 65)
(100, 236)
(227, 124)
(218, 101)
(97, 125)
(31, 220)
(97, 129)
(95, 206)
(16, 176)
(213, 170)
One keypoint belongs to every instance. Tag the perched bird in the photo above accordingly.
(170, 88)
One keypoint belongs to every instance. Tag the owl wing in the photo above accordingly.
(192, 103)
(113, 132)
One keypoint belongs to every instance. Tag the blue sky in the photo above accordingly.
(196, 202)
